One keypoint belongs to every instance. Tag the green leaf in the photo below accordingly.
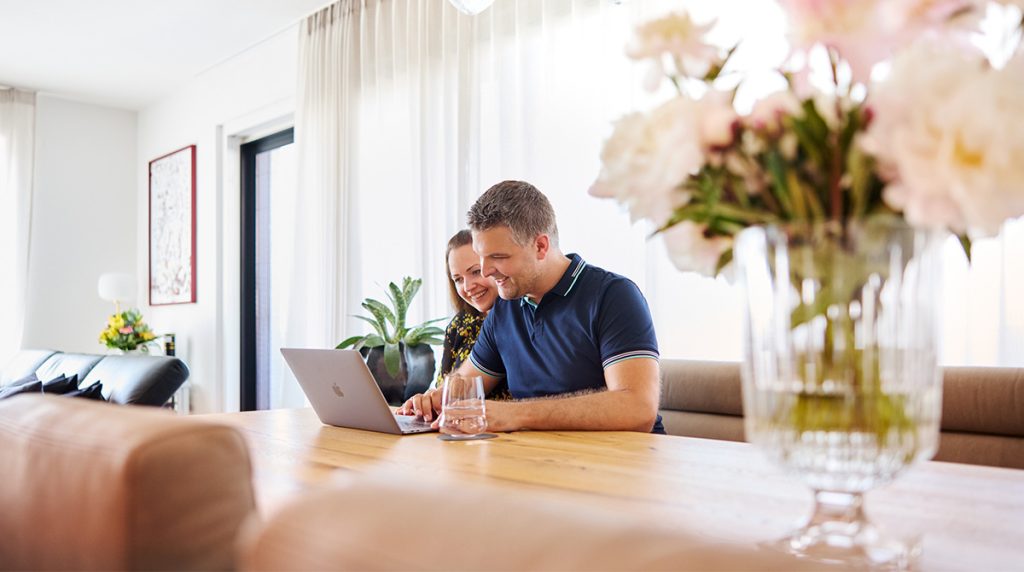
(723, 261)
(747, 216)
(392, 358)
(382, 314)
(796, 192)
(859, 166)
(716, 70)
(810, 143)
(409, 289)
(373, 341)
(400, 302)
(377, 326)
(416, 335)
(777, 171)
(348, 342)
(965, 243)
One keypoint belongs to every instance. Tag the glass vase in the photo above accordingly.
(841, 384)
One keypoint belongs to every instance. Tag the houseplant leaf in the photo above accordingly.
(392, 358)
(349, 341)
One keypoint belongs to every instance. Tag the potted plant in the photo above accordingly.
(399, 357)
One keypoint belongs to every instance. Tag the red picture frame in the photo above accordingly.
(172, 228)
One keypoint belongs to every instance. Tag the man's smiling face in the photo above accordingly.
(514, 268)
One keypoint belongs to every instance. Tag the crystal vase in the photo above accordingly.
(841, 385)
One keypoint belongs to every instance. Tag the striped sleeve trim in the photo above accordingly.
(628, 355)
(491, 373)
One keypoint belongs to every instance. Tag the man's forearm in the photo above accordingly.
(613, 410)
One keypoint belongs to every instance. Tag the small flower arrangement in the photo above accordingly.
(938, 140)
(126, 331)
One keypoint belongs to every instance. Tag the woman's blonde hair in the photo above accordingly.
(460, 239)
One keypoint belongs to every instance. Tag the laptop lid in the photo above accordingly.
(341, 389)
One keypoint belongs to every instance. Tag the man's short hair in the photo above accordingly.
(517, 205)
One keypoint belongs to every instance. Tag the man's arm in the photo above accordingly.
(629, 404)
(428, 404)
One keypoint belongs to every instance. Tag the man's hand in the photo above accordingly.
(425, 405)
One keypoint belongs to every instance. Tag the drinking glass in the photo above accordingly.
(463, 414)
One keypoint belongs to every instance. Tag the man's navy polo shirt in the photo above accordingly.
(590, 320)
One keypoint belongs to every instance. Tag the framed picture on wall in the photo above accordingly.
(172, 228)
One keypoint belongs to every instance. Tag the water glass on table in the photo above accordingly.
(463, 413)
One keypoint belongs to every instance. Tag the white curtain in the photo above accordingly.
(409, 110)
(17, 129)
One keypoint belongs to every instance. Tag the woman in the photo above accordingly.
(473, 296)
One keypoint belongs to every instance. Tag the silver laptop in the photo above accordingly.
(344, 394)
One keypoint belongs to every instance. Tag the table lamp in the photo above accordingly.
(116, 287)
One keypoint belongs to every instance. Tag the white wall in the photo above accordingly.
(83, 220)
(214, 111)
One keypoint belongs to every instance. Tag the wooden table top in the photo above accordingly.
(969, 517)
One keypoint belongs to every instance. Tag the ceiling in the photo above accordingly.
(129, 53)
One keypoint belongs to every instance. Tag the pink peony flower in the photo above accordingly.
(127, 330)
(691, 251)
(677, 38)
(866, 32)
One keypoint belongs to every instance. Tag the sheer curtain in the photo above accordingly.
(409, 110)
(17, 130)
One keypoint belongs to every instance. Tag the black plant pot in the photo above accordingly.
(415, 372)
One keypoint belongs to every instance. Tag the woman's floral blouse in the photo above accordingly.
(459, 338)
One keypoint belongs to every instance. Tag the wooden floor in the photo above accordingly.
(968, 517)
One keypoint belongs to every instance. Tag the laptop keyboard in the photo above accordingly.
(411, 423)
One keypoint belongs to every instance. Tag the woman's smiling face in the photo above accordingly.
(464, 270)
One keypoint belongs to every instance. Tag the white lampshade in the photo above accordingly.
(471, 7)
(116, 286)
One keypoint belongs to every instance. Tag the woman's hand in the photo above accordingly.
(424, 405)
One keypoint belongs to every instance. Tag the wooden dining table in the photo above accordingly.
(965, 517)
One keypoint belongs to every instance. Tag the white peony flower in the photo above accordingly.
(949, 133)
(691, 251)
(982, 147)
(647, 158)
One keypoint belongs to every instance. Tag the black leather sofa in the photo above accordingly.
(127, 379)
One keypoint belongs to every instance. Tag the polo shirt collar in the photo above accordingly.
(566, 283)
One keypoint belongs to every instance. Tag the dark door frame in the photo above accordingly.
(249, 151)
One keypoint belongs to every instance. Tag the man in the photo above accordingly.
(575, 342)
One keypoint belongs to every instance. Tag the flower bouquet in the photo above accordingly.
(831, 196)
(126, 331)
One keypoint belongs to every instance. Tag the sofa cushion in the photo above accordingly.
(24, 363)
(91, 486)
(983, 400)
(701, 386)
(140, 380)
(978, 449)
(61, 385)
(704, 425)
(67, 364)
(94, 391)
(29, 386)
